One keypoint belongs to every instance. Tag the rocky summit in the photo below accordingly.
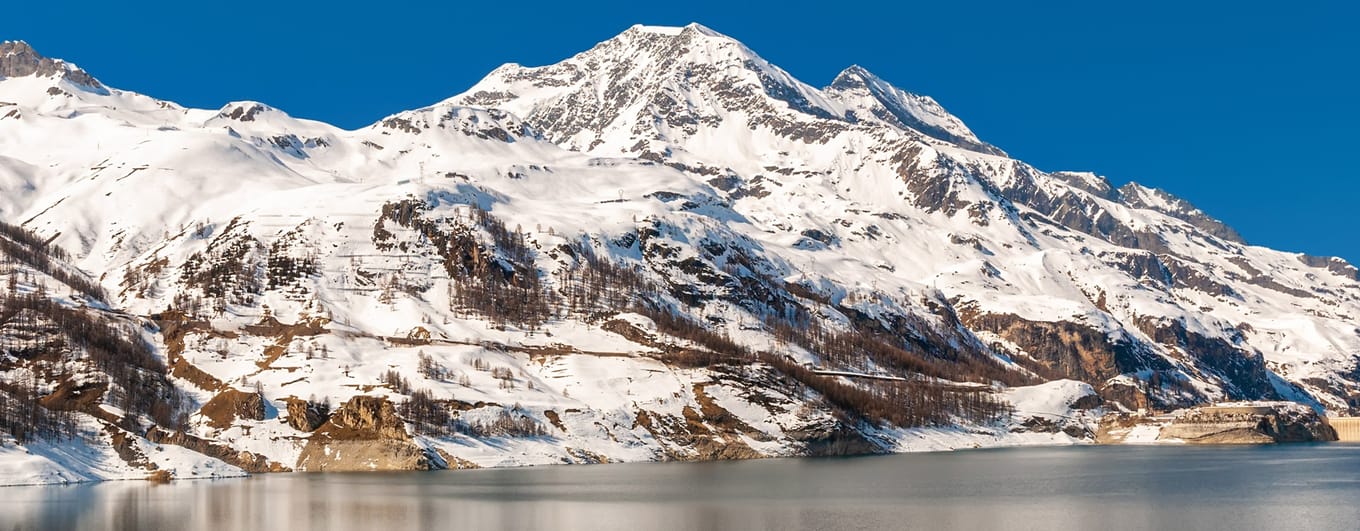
(661, 248)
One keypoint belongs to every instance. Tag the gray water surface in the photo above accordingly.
(1077, 488)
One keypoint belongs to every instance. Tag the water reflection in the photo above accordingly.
(1312, 487)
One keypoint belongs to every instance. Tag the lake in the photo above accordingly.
(1094, 487)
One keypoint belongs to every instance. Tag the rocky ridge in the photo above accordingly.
(661, 248)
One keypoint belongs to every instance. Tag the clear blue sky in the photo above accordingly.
(1246, 109)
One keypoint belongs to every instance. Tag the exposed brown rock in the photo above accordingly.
(1072, 350)
(303, 415)
(364, 456)
(181, 368)
(222, 410)
(284, 334)
(1114, 427)
(630, 332)
(721, 419)
(707, 434)
(365, 434)
(125, 445)
(454, 462)
(271, 327)
(365, 418)
(75, 395)
(581, 456)
(175, 326)
(555, 420)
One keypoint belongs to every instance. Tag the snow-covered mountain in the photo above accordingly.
(664, 247)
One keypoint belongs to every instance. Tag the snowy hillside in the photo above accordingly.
(664, 247)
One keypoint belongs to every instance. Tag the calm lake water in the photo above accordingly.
(1086, 488)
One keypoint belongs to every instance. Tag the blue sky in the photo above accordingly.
(1246, 109)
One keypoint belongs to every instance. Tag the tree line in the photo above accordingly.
(52, 343)
(501, 283)
(19, 245)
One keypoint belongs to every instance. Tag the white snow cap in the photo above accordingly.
(677, 30)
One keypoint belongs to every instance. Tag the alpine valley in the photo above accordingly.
(661, 248)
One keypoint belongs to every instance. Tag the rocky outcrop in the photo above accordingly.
(692, 438)
(365, 456)
(1139, 196)
(228, 406)
(365, 434)
(17, 59)
(304, 415)
(833, 439)
(1333, 264)
(1240, 369)
(366, 417)
(1061, 349)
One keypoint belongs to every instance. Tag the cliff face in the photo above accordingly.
(365, 434)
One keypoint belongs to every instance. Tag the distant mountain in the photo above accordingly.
(664, 247)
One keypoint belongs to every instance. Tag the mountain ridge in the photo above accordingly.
(663, 247)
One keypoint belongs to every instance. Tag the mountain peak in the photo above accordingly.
(692, 28)
(701, 29)
(666, 181)
(855, 76)
(246, 111)
(676, 78)
(15, 47)
(645, 37)
(19, 59)
(876, 99)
